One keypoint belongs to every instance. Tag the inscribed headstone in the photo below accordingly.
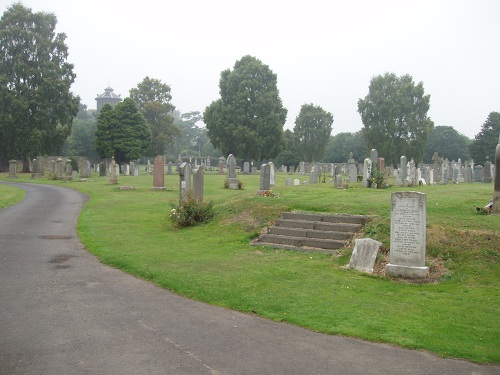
(184, 181)
(265, 177)
(364, 254)
(496, 189)
(408, 235)
(159, 173)
(199, 182)
(113, 176)
(12, 168)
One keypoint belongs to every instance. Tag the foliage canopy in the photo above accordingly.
(394, 115)
(447, 142)
(312, 129)
(153, 99)
(342, 144)
(248, 119)
(485, 142)
(122, 132)
(36, 107)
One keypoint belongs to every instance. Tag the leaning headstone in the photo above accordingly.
(159, 173)
(12, 168)
(364, 255)
(265, 178)
(408, 235)
(496, 191)
(184, 181)
(231, 178)
(113, 179)
(198, 182)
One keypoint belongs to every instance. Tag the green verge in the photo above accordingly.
(458, 316)
(10, 195)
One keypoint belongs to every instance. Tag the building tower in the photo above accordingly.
(107, 97)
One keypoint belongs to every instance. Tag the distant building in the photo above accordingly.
(107, 97)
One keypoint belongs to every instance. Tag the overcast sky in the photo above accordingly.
(323, 52)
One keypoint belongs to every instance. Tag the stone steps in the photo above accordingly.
(312, 232)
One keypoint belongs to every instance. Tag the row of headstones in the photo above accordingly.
(60, 167)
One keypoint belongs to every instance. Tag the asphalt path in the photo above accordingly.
(62, 312)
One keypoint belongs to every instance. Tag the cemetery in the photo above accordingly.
(422, 261)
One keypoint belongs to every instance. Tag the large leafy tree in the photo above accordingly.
(122, 132)
(485, 142)
(341, 145)
(447, 142)
(394, 115)
(36, 105)
(289, 155)
(193, 136)
(82, 142)
(153, 99)
(313, 127)
(248, 119)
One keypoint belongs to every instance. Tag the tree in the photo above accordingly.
(313, 127)
(153, 99)
(485, 142)
(447, 142)
(82, 142)
(394, 115)
(193, 137)
(122, 132)
(289, 155)
(341, 145)
(248, 118)
(36, 106)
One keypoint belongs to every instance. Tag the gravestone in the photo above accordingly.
(272, 171)
(117, 169)
(159, 173)
(314, 175)
(221, 166)
(408, 235)
(246, 167)
(102, 169)
(184, 180)
(68, 169)
(352, 169)
(364, 255)
(231, 179)
(148, 168)
(113, 179)
(265, 178)
(412, 173)
(132, 168)
(302, 168)
(127, 169)
(198, 182)
(12, 168)
(85, 169)
(288, 182)
(296, 182)
(136, 170)
(59, 168)
(404, 170)
(374, 158)
(487, 171)
(478, 173)
(496, 188)
(74, 175)
(367, 172)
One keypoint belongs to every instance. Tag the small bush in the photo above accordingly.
(192, 211)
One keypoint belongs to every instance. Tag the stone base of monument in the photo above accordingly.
(158, 188)
(407, 272)
(232, 183)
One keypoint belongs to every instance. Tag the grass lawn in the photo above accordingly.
(10, 195)
(458, 316)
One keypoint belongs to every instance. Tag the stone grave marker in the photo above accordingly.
(296, 182)
(364, 255)
(85, 169)
(352, 169)
(59, 168)
(199, 182)
(367, 172)
(113, 179)
(231, 178)
(12, 168)
(408, 235)
(184, 180)
(246, 167)
(272, 172)
(496, 186)
(288, 182)
(102, 169)
(169, 167)
(159, 173)
(265, 178)
(221, 166)
(487, 171)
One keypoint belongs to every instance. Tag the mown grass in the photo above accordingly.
(10, 195)
(458, 316)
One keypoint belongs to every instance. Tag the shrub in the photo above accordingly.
(192, 211)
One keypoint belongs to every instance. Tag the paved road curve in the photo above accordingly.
(62, 312)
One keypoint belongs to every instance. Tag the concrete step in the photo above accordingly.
(312, 232)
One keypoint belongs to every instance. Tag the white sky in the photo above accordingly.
(323, 52)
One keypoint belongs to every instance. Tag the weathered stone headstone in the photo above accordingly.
(199, 182)
(127, 169)
(288, 182)
(113, 179)
(148, 168)
(496, 190)
(352, 169)
(367, 172)
(13, 168)
(487, 171)
(272, 171)
(74, 175)
(296, 182)
(102, 169)
(59, 168)
(68, 169)
(184, 181)
(408, 235)
(231, 179)
(478, 173)
(169, 167)
(85, 169)
(374, 158)
(265, 178)
(246, 167)
(221, 166)
(364, 255)
(403, 166)
(158, 173)
(314, 175)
